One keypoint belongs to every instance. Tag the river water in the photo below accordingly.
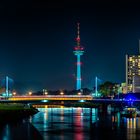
(72, 124)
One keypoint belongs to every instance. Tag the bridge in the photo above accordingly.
(51, 97)
(67, 100)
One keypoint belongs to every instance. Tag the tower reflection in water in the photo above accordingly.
(64, 123)
(78, 123)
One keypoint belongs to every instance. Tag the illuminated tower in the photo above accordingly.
(78, 51)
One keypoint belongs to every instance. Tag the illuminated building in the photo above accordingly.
(123, 88)
(133, 73)
(78, 51)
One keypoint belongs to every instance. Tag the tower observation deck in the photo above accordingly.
(78, 51)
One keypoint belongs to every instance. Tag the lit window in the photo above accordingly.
(130, 58)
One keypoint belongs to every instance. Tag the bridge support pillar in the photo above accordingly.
(103, 108)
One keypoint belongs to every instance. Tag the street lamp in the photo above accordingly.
(30, 93)
(61, 93)
(14, 93)
(46, 93)
(79, 93)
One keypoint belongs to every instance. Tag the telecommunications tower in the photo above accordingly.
(78, 51)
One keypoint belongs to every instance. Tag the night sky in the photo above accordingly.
(37, 40)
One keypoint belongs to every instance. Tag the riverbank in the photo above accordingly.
(15, 111)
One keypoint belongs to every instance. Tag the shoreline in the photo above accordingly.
(13, 112)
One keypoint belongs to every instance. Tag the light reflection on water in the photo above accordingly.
(19, 131)
(133, 127)
(84, 123)
(72, 124)
(64, 123)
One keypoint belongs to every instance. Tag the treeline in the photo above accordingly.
(106, 89)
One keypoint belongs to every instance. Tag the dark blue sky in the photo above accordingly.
(37, 41)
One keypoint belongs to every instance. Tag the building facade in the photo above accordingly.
(133, 73)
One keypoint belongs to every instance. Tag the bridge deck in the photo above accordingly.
(51, 97)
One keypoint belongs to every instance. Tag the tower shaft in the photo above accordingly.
(78, 83)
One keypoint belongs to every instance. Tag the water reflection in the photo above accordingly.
(131, 123)
(131, 128)
(65, 123)
(116, 120)
(19, 131)
(78, 123)
(72, 124)
(84, 123)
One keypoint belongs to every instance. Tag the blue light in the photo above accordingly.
(130, 98)
(96, 94)
(82, 101)
(44, 101)
(10, 94)
(4, 94)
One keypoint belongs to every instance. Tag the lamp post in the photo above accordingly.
(45, 92)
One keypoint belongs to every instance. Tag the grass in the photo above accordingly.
(12, 106)
(14, 111)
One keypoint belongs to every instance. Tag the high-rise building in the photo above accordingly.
(78, 51)
(133, 73)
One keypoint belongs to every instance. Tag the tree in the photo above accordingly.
(2, 90)
(108, 88)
